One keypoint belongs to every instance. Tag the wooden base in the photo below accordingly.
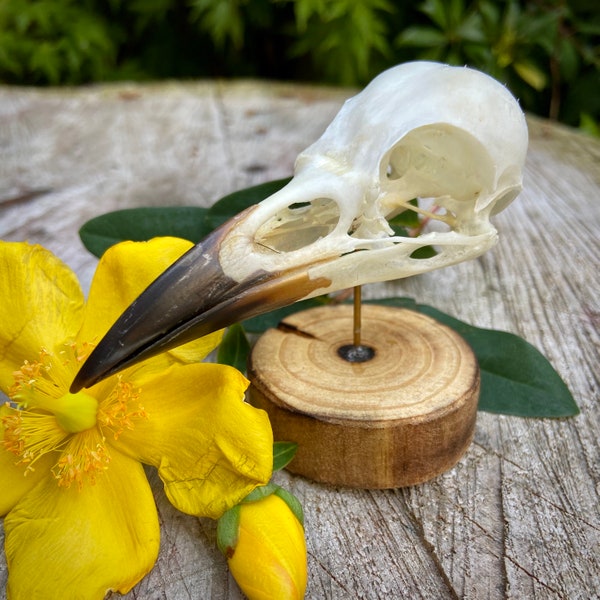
(399, 419)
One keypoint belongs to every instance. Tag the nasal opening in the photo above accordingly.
(299, 225)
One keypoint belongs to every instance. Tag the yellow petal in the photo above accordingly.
(41, 305)
(269, 560)
(192, 352)
(123, 273)
(65, 543)
(211, 448)
(197, 350)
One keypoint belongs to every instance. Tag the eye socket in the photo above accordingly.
(439, 160)
(298, 225)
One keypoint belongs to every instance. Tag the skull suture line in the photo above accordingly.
(449, 136)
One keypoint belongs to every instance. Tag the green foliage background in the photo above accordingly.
(546, 51)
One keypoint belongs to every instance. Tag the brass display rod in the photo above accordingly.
(357, 314)
(356, 352)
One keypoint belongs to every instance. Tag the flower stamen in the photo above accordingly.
(34, 381)
(29, 435)
(85, 457)
(43, 417)
(117, 412)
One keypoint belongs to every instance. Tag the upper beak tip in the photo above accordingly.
(77, 385)
(86, 377)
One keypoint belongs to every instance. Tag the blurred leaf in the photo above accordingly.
(568, 59)
(436, 10)
(45, 59)
(234, 348)
(234, 203)
(490, 13)
(589, 125)
(531, 74)
(540, 27)
(342, 37)
(471, 30)
(141, 224)
(222, 19)
(57, 41)
(188, 222)
(420, 37)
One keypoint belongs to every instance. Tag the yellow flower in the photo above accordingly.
(263, 540)
(80, 515)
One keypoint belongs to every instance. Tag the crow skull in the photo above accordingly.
(450, 137)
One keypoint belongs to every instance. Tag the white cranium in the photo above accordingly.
(450, 135)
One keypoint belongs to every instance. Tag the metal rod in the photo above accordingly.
(356, 352)
(357, 314)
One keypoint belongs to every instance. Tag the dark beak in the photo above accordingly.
(192, 298)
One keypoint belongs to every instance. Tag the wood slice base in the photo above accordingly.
(399, 419)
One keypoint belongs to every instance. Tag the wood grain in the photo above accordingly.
(518, 516)
(398, 419)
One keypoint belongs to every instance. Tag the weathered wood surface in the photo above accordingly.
(519, 516)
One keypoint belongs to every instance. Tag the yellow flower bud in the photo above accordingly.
(267, 557)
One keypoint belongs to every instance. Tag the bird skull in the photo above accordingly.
(451, 137)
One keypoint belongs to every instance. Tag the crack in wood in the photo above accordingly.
(431, 550)
(289, 328)
(328, 572)
(534, 577)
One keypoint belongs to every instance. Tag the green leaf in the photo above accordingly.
(407, 218)
(421, 37)
(283, 453)
(234, 348)
(396, 302)
(142, 224)
(436, 11)
(589, 125)
(234, 203)
(531, 75)
(188, 222)
(260, 492)
(221, 19)
(424, 252)
(293, 503)
(228, 529)
(516, 379)
(471, 29)
(568, 59)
